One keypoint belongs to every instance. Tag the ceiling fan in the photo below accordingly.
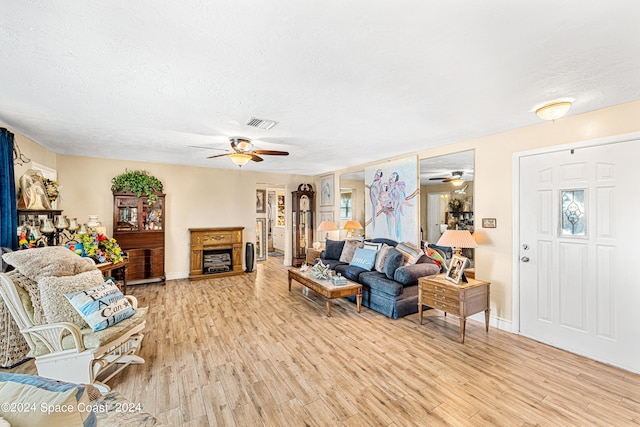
(243, 152)
(455, 179)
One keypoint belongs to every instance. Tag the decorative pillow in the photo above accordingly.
(436, 257)
(393, 261)
(52, 289)
(349, 249)
(364, 258)
(382, 257)
(48, 261)
(101, 306)
(44, 395)
(333, 249)
(373, 246)
(410, 253)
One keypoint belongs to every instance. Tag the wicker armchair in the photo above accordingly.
(65, 352)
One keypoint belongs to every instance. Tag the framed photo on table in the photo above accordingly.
(456, 269)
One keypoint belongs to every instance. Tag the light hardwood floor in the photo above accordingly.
(244, 351)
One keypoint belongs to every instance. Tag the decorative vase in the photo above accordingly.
(93, 221)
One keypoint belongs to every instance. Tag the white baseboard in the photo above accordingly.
(176, 276)
(495, 322)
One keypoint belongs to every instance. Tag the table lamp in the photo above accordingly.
(352, 225)
(457, 240)
(327, 226)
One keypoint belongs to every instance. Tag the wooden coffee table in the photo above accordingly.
(326, 288)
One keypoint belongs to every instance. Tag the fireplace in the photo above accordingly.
(216, 261)
(215, 252)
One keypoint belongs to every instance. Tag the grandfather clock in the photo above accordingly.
(303, 206)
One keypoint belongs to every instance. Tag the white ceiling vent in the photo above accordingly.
(261, 123)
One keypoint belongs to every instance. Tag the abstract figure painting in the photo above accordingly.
(391, 202)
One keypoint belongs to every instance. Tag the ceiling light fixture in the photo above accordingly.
(553, 110)
(240, 159)
(457, 182)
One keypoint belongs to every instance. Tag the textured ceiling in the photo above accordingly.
(349, 82)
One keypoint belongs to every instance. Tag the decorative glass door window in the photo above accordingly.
(573, 221)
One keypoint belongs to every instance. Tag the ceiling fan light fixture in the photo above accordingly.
(553, 110)
(240, 159)
(457, 182)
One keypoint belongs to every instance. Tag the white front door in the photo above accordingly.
(578, 246)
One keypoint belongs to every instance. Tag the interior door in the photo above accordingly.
(578, 223)
(436, 203)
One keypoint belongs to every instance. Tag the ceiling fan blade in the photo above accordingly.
(255, 158)
(437, 179)
(218, 155)
(272, 152)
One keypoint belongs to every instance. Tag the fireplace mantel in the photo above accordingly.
(214, 239)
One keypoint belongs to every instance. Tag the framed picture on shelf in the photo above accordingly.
(261, 206)
(456, 269)
(326, 190)
(261, 239)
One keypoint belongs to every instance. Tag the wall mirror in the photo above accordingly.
(446, 195)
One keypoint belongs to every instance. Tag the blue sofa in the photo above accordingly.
(393, 292)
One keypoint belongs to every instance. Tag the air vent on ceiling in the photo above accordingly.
(261, 123)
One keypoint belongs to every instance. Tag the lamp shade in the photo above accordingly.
(457, 239)
(352, 225)
(240, 159)
(327, 226)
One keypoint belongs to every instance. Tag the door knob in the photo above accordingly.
(524, 259)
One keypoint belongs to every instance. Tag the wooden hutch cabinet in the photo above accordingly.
(302, 207)
(138, 226)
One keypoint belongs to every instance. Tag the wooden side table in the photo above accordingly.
(107, 267)
(312, 254)
(463, 299)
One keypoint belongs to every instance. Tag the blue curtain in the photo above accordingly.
(8, 213)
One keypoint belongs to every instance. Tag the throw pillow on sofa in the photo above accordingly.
(392, 263)
(382, 257)
(333, 249)
(363, 258)
(349, 249)
(410, 253)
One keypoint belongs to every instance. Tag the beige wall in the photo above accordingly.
(196, 197)
(34, 152)
(493, 185)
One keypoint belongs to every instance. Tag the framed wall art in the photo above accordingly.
(488, 223)
(326, 190)
(261, 206)
(326, 216)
